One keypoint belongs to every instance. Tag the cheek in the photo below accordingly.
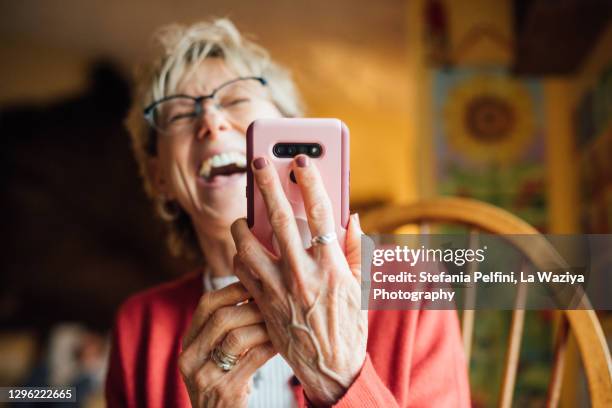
(172, 155)
(175, 148)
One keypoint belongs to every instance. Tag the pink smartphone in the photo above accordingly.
(326, 142)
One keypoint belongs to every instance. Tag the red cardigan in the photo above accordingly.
(414, 358)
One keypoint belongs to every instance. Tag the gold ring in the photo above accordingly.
(223, 360)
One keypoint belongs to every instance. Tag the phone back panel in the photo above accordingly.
(333, 164)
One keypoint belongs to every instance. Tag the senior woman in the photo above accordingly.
(291, 331)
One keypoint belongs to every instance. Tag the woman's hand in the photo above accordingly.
(310, 299)
(238, 330)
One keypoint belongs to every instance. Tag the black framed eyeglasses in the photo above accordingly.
(181, 112)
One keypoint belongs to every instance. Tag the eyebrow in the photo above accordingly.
(222, 84)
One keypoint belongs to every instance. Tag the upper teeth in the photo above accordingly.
(220, 160)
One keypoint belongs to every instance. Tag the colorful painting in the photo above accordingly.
(489, 140)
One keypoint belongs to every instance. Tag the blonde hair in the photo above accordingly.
(180, 49)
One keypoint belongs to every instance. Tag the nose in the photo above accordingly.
(214, 121)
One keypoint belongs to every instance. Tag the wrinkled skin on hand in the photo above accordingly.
(310, 299)
(223, 319)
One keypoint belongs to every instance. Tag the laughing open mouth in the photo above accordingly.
(223, 164)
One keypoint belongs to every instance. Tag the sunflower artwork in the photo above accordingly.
(489, 140)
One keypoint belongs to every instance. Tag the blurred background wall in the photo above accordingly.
(80, 235)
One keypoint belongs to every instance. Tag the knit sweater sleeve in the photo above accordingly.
(367, 390)
(437, 374)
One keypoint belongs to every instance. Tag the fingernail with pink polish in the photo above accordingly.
(302, 161)
(259, 163)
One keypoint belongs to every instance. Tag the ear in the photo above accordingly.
(157, 177)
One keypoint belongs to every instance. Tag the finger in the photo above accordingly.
(221, 322)
(209, 303)
(242, 339)
(211, 376)
(316, 201)
(353, 246)
(247, 278)
(279, 210)
(251, 361)
(226, 319)
(254, 257)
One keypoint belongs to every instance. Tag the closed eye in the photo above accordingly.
(234, 102)
(179, 116)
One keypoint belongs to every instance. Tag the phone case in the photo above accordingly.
(333, 164)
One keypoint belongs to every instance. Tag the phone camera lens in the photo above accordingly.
(291, 150)
(280, 150)
(302, 149)
(315, 151)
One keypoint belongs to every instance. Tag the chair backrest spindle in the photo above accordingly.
(469, 303)
(558, 365)
(514, 347)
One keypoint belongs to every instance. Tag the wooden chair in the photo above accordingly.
(584, 325)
